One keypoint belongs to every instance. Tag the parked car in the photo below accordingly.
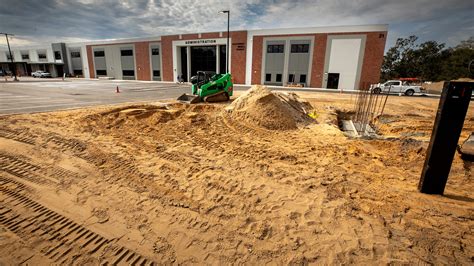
(7, 73)
(397, 86)
(40, 74)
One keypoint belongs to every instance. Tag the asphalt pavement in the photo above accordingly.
(41, 95)
(31, 95)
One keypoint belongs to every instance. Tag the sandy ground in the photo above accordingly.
(189, 184)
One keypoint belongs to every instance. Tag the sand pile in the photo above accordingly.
(199, 187)
(271, 110)
(437, 87)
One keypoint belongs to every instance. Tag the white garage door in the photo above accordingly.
(344, 59)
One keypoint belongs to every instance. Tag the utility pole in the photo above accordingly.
(228, 35)
(11, 56)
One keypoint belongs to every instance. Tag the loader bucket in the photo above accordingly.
(188, 98)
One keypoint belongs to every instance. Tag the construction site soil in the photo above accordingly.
(169, 183)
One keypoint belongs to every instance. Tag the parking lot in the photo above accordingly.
(39, 95)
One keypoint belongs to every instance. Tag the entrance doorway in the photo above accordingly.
(222, 59)
(184, 64)
(60, 70)
(28, 70)
(203, 58)
(333, 81)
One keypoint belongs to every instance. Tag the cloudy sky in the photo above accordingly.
(35, 21)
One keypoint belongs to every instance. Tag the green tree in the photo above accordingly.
(429, 57)
(398, 56)
(457, 63)
(428, 61)
(469, 43)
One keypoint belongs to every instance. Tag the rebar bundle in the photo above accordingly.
(368, 106)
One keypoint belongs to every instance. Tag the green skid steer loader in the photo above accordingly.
(208, 86)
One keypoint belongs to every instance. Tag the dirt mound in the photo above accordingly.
(132, 117)
(271, 110)
(437, 87)
(464, 79)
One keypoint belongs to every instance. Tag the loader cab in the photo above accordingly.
(202, 77)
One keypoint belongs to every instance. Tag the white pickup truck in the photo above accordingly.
(397, 86)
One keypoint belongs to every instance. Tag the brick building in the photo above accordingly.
(338, 57)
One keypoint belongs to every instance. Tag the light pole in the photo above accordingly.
(11, 56)
(227, 47)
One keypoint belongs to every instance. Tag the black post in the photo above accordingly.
(448, 125)
(228, 36)
(227, 52)
(11, 56)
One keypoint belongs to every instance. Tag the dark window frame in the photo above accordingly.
(41, 56)
(301, 48)
(128, 73)
(101, 71)
(78, 72)
(76, 54)
(275, 48)
(25, 56)
(99, 53)
(268, 77)
(159, 73)
(126, 52)
(303, 78)
(291, 78)
(153, 50)
(279, 77)
(57, 55)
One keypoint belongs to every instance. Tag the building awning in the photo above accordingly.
(44, 63)
(32, 63)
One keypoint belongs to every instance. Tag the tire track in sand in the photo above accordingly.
(57, 237)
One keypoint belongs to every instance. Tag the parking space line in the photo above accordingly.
(39, 102)
(27, 99)
(51, 105)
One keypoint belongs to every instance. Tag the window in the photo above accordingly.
(275, 48)
(99, 53)
(101, 72)
(156, 73)
(155, 51)
(57, 55)
(291, 78)
(77, 72)
(302, 78)
(278, 78)
(299, 48)
(268, 77)
(41, 56)
(381, 35)
(75, 54)
(128, 73)
(126, 52)
(393, 83)
(25, 56)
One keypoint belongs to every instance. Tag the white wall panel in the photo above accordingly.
(344, 59)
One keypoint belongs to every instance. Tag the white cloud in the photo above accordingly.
(62, 20)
